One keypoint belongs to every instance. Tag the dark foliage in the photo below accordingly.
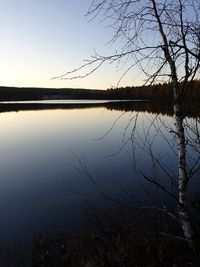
(16, 93)
(155, 92)
(151, 92)
(117, 241)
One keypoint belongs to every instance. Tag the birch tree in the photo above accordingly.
(162, 38)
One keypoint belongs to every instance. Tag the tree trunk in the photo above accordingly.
(182, 174)
(182, 171)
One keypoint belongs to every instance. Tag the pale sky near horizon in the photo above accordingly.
(41, 39)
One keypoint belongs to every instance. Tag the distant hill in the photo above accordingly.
(157, 92)
(20, 93)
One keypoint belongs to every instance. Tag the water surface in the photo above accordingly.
(45, 156)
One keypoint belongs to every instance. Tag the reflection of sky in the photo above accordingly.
(42, 39)
(36, 157)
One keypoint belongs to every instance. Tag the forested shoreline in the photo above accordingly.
(149, 92)
(155, 92)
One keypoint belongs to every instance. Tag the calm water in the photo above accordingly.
(43, 155)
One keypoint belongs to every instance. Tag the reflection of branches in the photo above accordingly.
(171, 142)
(83, 169)
(193, 143)
(152, 180)
(132, 122)
(163, 210)
(111, 128)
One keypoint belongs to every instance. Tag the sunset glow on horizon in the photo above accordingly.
(44, 39)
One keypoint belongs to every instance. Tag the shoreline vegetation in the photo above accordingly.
(156, 92)
(152, 98)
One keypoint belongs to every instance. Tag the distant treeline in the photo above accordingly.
(150, 92)
(20, 93)
(155, 92)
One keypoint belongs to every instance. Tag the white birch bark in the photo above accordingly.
(182, 177)
(182, 170)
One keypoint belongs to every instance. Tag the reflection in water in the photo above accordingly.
(163, 108)
(40, 148)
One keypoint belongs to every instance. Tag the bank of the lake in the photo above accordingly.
(154, 92)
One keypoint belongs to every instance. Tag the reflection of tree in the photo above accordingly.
(163, 39)
(154, 107)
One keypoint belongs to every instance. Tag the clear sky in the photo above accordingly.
(41, 39)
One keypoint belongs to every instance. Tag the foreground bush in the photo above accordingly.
(117, 241)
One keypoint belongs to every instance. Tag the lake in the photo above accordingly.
(56, 160)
